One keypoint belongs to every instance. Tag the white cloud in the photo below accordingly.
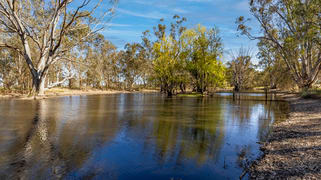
(117, 25)
(149, 15)
(179, 10)
(122, 33)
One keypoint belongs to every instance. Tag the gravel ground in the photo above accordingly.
(294, 147)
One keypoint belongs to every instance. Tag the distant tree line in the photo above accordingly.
(44, 44)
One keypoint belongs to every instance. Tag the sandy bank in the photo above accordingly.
(59, 92)
(294, 147)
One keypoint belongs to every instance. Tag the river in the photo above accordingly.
(133, 136)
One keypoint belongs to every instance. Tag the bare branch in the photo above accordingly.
(11, 47)
(60, 82)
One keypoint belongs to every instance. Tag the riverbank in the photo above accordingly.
(293, 150)
(59, 92)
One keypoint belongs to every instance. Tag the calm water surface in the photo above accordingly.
(132, 136)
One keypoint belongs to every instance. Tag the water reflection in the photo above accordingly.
(131, 136)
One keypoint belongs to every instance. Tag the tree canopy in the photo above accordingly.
(44, 44)
(292, 28)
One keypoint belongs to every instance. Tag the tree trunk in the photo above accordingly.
(236, 88)
(306, 87)
(200, 89)
(169, 93)
(162, 89)
(183, 88)
(38, 86)
(70, 83)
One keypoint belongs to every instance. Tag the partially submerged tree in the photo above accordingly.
(52, 28)
(166, 63)
(188, 56)
(293, 28)
(204, 48)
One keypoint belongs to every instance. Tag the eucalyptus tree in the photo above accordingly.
(176, 32)
(147, 52)
(241, 69)
(51, 27)
(293, 28)
(166, 63)
(13, 69)
(7, 77)
(110, 64)
(268, 61)
(275, 73)
(204, 49)
(131, 62)
(91, 72)
(98, 62)
(176, 28)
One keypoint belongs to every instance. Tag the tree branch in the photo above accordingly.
(60, 82)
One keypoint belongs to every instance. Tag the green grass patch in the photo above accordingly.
(190, 95)
(313, 93)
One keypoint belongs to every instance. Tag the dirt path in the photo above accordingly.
(294, 148)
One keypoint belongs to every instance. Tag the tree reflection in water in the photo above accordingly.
(134, 135)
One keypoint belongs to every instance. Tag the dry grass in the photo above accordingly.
(294, 148)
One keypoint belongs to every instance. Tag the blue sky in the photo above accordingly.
(135, 16)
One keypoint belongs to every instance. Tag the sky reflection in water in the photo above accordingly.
(132, 136)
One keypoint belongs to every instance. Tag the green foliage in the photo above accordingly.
(132, 63)
(193, 58)
(48, 32)
(202, 50)
(275, 73)
(166, 64)
(311, 93)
